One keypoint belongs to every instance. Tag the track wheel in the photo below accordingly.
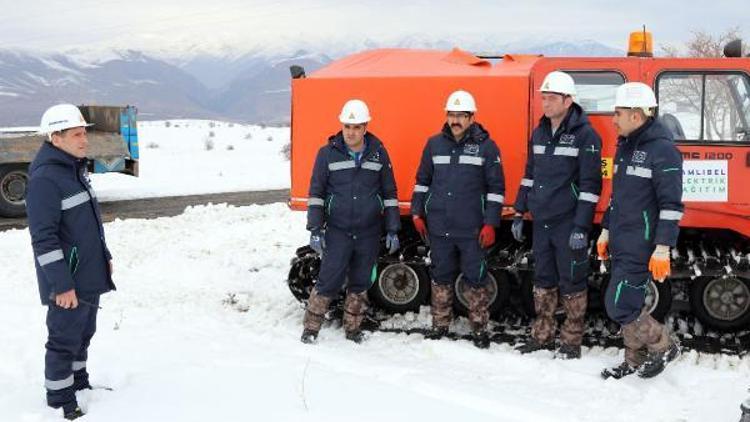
(722, 303)
(400, 288)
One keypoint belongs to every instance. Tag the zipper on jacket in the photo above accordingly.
(382, 205)
(427, 202)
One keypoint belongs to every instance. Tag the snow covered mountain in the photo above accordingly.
(224, 84)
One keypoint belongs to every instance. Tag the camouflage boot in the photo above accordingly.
(355, 306)
(662, 348)
(317, 306)
(571, 332)
(544, 326)
(635, 354)
(479, 302)
(441, 307)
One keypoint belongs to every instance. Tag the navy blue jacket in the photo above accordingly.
(353, 196)
(563, 171)
(460, 185)
(646, 204)
(66, 227)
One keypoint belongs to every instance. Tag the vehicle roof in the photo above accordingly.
(399, 62)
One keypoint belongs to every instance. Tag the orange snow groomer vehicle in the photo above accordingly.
(704, 102)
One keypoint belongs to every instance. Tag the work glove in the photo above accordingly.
(486, 236)
(420, 226)
(659, 263)
(602, 244)
(579, 239)
(317, 242)
(517, 228)
(392, 243)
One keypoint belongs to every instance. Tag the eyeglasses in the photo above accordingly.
(458, 115)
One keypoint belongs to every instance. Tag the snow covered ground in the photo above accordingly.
(175, 348)
(186, 157)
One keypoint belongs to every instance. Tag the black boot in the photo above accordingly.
(356, 336)
(657, 361)
(532, 346)
(567, 351)
(480, 339)
(745, 407)
(620, 371)
(309, 336)
(73, 414)
(436, 333)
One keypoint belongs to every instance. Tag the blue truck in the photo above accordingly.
(113, 147)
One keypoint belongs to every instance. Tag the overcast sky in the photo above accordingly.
(52, 25)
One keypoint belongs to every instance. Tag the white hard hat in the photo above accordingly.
(60, 117)
(461, 101)
(354, 112)
(559, 83)
(635, 95)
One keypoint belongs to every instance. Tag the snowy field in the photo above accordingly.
(175, 348)
(187, 157)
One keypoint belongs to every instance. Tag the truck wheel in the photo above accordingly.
(722, 303)
(14, 179)
(499, 289)
(401, 288)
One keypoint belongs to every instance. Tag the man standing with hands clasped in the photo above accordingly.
(456, 206)
(73, 263)
(639, 228)
(352, 195)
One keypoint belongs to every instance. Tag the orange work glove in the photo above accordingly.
(659, 264)
(602, 244)
(420, 227)
(487, 236)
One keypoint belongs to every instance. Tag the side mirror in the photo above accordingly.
(298, 72)
(733, 48)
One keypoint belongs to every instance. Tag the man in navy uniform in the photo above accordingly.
(639, 227)
(73, 263)
(456, 206)
(352, 197)
(560, 187)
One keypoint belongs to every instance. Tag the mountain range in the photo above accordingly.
(250, 87)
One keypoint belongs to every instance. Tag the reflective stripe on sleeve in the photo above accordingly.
(390, 203)
(587, 196)
(50, 257)
(75, 200)
(421, 188)
(539, 149)
(527, 182)
(495, 197)
(670, 215)
(315, 202)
